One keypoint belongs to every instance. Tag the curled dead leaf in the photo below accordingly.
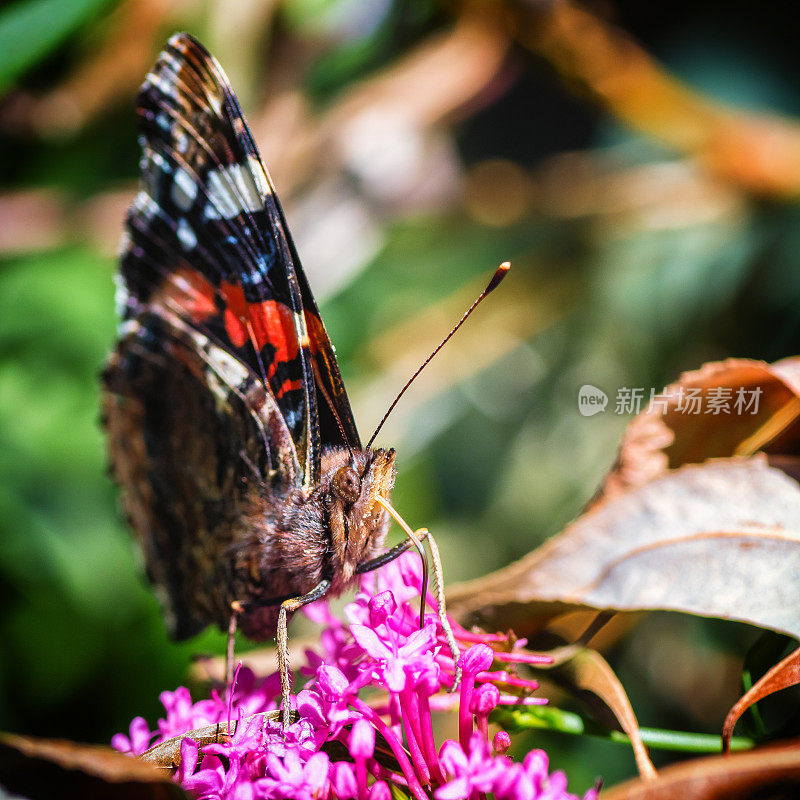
(46, 768)
(581, 669)
(784, 674)
(167, 754)
(772, 772)
(669, 435)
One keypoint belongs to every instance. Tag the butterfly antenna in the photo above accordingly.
(498, 276)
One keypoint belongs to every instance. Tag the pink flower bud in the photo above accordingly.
(362, 740)
(381, 607)
(501, 743)
(332, 682)
(380, 791)
(477, 659)
(484, 699)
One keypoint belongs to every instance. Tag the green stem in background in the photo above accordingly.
(555, 719)
(755, 715)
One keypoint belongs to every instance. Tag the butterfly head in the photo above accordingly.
(358, 522)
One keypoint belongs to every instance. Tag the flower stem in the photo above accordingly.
(428, 742)
(397, 747)
(556, 719)
(414, 735)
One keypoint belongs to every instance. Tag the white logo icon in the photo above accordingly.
(591, 400)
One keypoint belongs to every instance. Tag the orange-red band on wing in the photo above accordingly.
(288, 386)
(268, 322)
(191, 292)
(271, 322)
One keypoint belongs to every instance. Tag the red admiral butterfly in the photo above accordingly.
(229, 426)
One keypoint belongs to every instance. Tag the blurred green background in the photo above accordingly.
(638, 163)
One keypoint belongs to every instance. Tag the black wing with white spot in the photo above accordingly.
(206, 239)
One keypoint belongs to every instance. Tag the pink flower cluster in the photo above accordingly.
(372, 688)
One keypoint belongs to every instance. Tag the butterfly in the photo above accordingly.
(229, 428)
(228, 424)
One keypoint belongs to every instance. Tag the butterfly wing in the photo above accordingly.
(195, 442)
(208, 238)
(335, 417)
(212, 395)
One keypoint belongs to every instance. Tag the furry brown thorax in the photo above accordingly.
(301, 538)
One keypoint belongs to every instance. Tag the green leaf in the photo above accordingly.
(397, 792)
(31, 29)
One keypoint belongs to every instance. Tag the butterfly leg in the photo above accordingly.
(282, 640)
(236, 609)
(390, 555)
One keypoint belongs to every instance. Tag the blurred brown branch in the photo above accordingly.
(426, 87)
(758, 152)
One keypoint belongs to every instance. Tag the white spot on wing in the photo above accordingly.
(145, 205)
(257, 171)
(184, 190)
(121, 295)
(233, 190)
(229, 367)
(224, 374)
(186, 236)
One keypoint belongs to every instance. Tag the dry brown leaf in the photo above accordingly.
(720, 539)
(770, 772)
(46, 768)
(166, 755)
(585, 670)
(784, 674)
(667, 436)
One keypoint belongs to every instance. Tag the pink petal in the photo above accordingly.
(395, 676)
(556, 786)
(379, 791)
(536, 765)
(419, 641)
(369, 642)
(456, 789)
(315, 771)
(344, 780)
(189, 753)
(277, 768)
(453, 758)
(121, 743)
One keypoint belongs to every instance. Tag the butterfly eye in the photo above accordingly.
(347, 484)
